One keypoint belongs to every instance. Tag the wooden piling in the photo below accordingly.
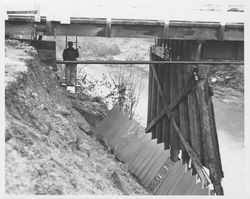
(174, 139)
(150, 87)
(159, 107)
(166, 122)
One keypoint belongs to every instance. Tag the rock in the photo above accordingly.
(42, 107)
(34, 95)
(71, 95)
(70, 135)
(51, 68)
(63, 111)
(117, 181)
(228, 77)
(213, 79)
(86, 129)
(8, 136)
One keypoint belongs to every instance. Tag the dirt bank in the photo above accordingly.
(48, 142)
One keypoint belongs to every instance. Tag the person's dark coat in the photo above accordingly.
(70, 54)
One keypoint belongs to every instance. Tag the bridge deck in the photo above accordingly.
(102, 27)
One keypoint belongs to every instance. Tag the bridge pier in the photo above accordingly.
(187, 103)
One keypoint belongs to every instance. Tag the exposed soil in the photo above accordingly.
(48, 139)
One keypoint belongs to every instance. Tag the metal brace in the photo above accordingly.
(195, 73)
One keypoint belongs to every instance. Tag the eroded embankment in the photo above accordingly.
(48, 142)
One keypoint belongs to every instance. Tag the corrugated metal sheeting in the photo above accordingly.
(145, 158)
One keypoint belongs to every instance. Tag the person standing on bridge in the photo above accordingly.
(70, 54)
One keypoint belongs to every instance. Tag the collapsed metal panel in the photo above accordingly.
(145, 158)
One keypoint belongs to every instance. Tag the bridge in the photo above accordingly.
(180, 108)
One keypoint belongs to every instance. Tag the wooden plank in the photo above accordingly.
(214, 131)
(195, 161)
(165, 119)
(159, 108)
(183, 107)
(154, 101)
(174, 139)
(183, 115)
(150, 84)
(180, 96)
(220, 174)
(194, 124)
(208, 134)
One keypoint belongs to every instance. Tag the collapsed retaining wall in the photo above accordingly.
(145, 158)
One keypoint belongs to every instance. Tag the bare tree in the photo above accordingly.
(127, 88)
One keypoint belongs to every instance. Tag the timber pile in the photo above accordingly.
(180, 111)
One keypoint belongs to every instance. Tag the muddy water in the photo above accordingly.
(230, 129)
